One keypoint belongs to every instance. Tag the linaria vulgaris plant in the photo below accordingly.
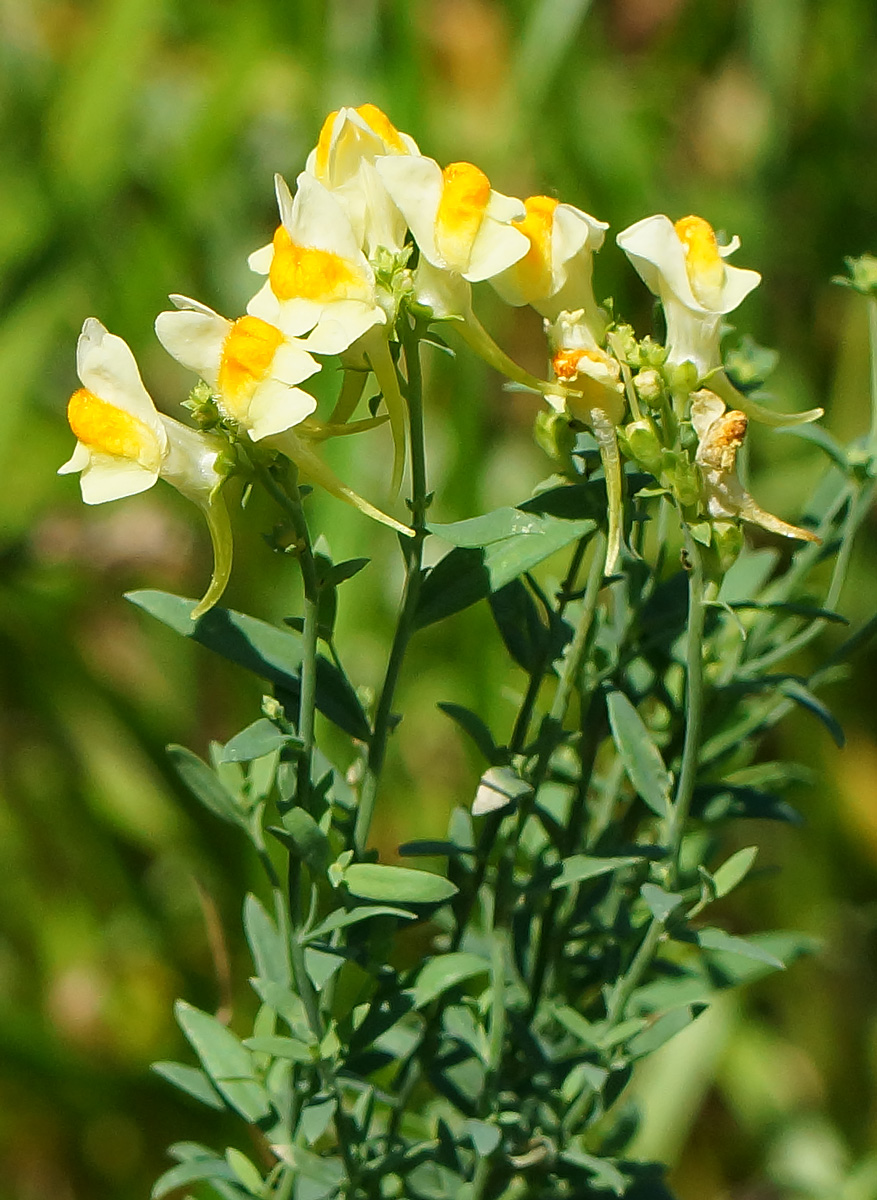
(570, 932)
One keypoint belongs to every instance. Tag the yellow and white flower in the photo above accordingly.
(319, 281)
(252, 368)
(343, 161)
(684, 266)
(555, 273)
(460, 224)
(720, 435)
(124, 444)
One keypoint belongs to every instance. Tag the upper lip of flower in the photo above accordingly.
(557, 234)
(658, 253)
(319, 281)
(457, 220)
(370, 134)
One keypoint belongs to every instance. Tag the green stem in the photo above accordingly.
(410, 592)
(694, 698)
(872, 338)
(625, 986)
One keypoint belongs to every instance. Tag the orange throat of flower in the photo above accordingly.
(106, 429)
(247, 354)
(306, 273)
(464, 199)
(533, 271)
(703, 262)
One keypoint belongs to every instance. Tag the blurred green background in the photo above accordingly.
(137, 144)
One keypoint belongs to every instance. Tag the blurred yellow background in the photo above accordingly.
(138, 139)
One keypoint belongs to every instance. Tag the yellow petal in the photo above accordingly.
(303, 272)
(464, 198)
(703, 263)
(110, 430)
(247, 354)
(533, 271)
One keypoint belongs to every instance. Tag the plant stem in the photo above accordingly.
(410, 593)
(694, 697)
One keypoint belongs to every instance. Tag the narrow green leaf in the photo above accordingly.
(660, 1031)
(257, 740)
(582, 866)
(321, 966)
(271, 653)
(225, 1060)
(342, 918)
(305, 839)
(433, 848)
(662, 904)
(524, 634)
(245, 1170)
(205, 785)
(340, 572)
(446, 971)
(375, 881)
(717, 939)
(315, 1120)
(485, 1137)
(281, 1047)
(641, 757)
(474, 727)
(498, 788)
(267, 944)
(471, 572)
(191, 1080)
(286, 1004)
(798, 691)
(191, 1171)
(734, 870)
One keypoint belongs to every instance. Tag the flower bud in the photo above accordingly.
(649, 387)
(644, 445)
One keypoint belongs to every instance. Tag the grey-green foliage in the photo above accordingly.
(563, 939)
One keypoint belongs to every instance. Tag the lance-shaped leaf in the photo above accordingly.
(641, 757)
(377, 881)
(227, 1062)
(489, 553)
(271, 653)
(446, 971)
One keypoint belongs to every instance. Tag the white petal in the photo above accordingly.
(78, 460)
(341, 324)
(195, 339)
(448, 294)
(733, 245)
(318, 220)
(496, 247)
(109, 478)
(654, 248)
(265, 305)
(276, 407)
(573, 231)
(415, 186)
(187, 304)
(107, 368)
(292, 363)
(504, 208)
(706, 409)
(260, 260)
(739, 282)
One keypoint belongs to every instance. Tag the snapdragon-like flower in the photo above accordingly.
(720, 435)
(252, 369)
(684, 266)
(555, 273)
(596, 398)
(343, 161)
(321, 284)
(465, 233)
(124, 444)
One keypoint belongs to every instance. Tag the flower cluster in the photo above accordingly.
(377, 236)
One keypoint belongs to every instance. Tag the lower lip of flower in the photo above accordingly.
(106, 429)
(247, 354)
(703, 263)
(303, 272)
